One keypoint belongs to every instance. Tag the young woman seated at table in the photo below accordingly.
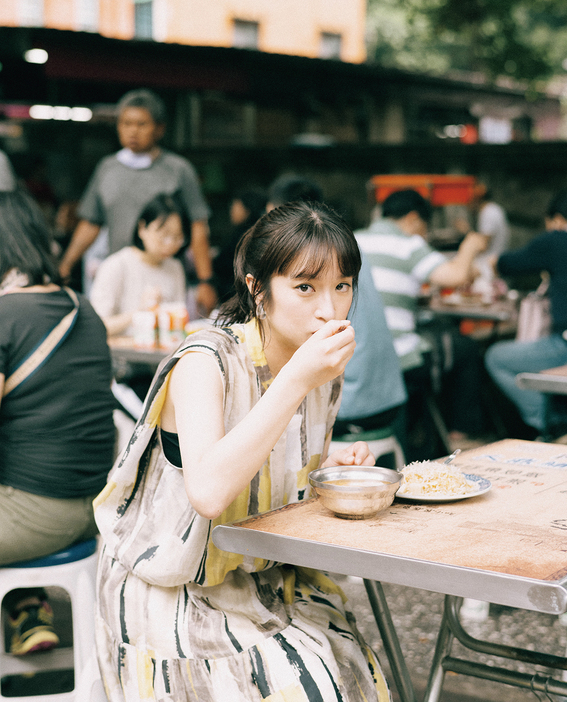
(233, 424)
(56, 428)
(141, 276)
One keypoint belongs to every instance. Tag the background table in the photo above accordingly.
(499, 311)
(123, 351)
(553, 380)
(506, 547)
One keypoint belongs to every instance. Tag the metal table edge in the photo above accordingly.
(500, 588)
(542, 382)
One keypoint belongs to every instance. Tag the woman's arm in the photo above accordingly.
(106, 296)
(218, 466)
(1, 386)
(118, 323)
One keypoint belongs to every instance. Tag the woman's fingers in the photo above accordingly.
(357, 454)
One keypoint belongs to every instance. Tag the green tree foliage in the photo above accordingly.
(522, 39)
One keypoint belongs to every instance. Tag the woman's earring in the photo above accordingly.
(260, 311)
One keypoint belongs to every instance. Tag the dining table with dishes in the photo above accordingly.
(490, 526)
(483, 317)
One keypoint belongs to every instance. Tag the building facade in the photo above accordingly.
(332, 29)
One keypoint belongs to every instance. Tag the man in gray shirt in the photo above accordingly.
(124, 182)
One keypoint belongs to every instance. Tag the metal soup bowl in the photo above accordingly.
(355, 492)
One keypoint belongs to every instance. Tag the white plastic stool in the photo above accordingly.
(380, 442)
(74, 570)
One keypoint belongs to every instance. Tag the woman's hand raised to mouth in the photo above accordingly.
(323, 356)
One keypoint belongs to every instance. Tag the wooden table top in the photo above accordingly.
(515, 531)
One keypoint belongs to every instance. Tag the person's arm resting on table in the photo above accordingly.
(459, 270)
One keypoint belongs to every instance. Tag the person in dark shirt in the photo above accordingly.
(505, 359)
(247, 206)
(56, 428)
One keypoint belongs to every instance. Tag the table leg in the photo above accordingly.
(390, 640)
(442, 661)
(442, 649)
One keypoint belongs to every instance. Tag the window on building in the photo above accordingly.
(330, 45)
(245, 34)
(143, 25)
(87, 15)
(31, 13)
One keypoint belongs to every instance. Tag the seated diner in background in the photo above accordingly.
(232, 425)
(402, 261)
(505, 359)
(56, 429)
(141, 276)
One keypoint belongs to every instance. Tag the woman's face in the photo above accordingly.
(162, 240)
(300, 306)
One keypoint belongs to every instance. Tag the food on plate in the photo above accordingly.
(431, 478)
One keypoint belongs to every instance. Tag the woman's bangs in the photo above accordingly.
(319, 254)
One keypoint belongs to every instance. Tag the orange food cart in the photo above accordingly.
(440, 190)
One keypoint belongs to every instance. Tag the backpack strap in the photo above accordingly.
(45, 349)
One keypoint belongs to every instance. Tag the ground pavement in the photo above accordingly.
(417, 616)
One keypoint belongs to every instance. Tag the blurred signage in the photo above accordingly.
(493, 130)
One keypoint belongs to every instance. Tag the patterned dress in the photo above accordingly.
(180, 620)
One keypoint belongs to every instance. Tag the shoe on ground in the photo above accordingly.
(32, 630)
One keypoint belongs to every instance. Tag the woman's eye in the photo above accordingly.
(343, 287)
(304, 287)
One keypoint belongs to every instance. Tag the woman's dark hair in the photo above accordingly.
(558, 205)
(310, 232)
(402, 202)
(160, 208)
(292, 188)
(25, 239)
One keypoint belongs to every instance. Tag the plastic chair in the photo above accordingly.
(380, 441)
(74, 570)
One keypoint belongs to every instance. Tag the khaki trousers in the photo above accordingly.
(32, 526)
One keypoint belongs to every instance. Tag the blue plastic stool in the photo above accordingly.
(74, 570)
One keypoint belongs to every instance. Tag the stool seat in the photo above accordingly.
(73, 569)
(75, 552)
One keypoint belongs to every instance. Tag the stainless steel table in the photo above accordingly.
(552, 381)
(506, 547)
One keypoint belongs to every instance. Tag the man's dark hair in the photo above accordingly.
(558, 204)
(293, 188)
(402, 202)
(147, 100)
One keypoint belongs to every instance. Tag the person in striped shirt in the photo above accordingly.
(401, 261)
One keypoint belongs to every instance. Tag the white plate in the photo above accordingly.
(482, 485)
